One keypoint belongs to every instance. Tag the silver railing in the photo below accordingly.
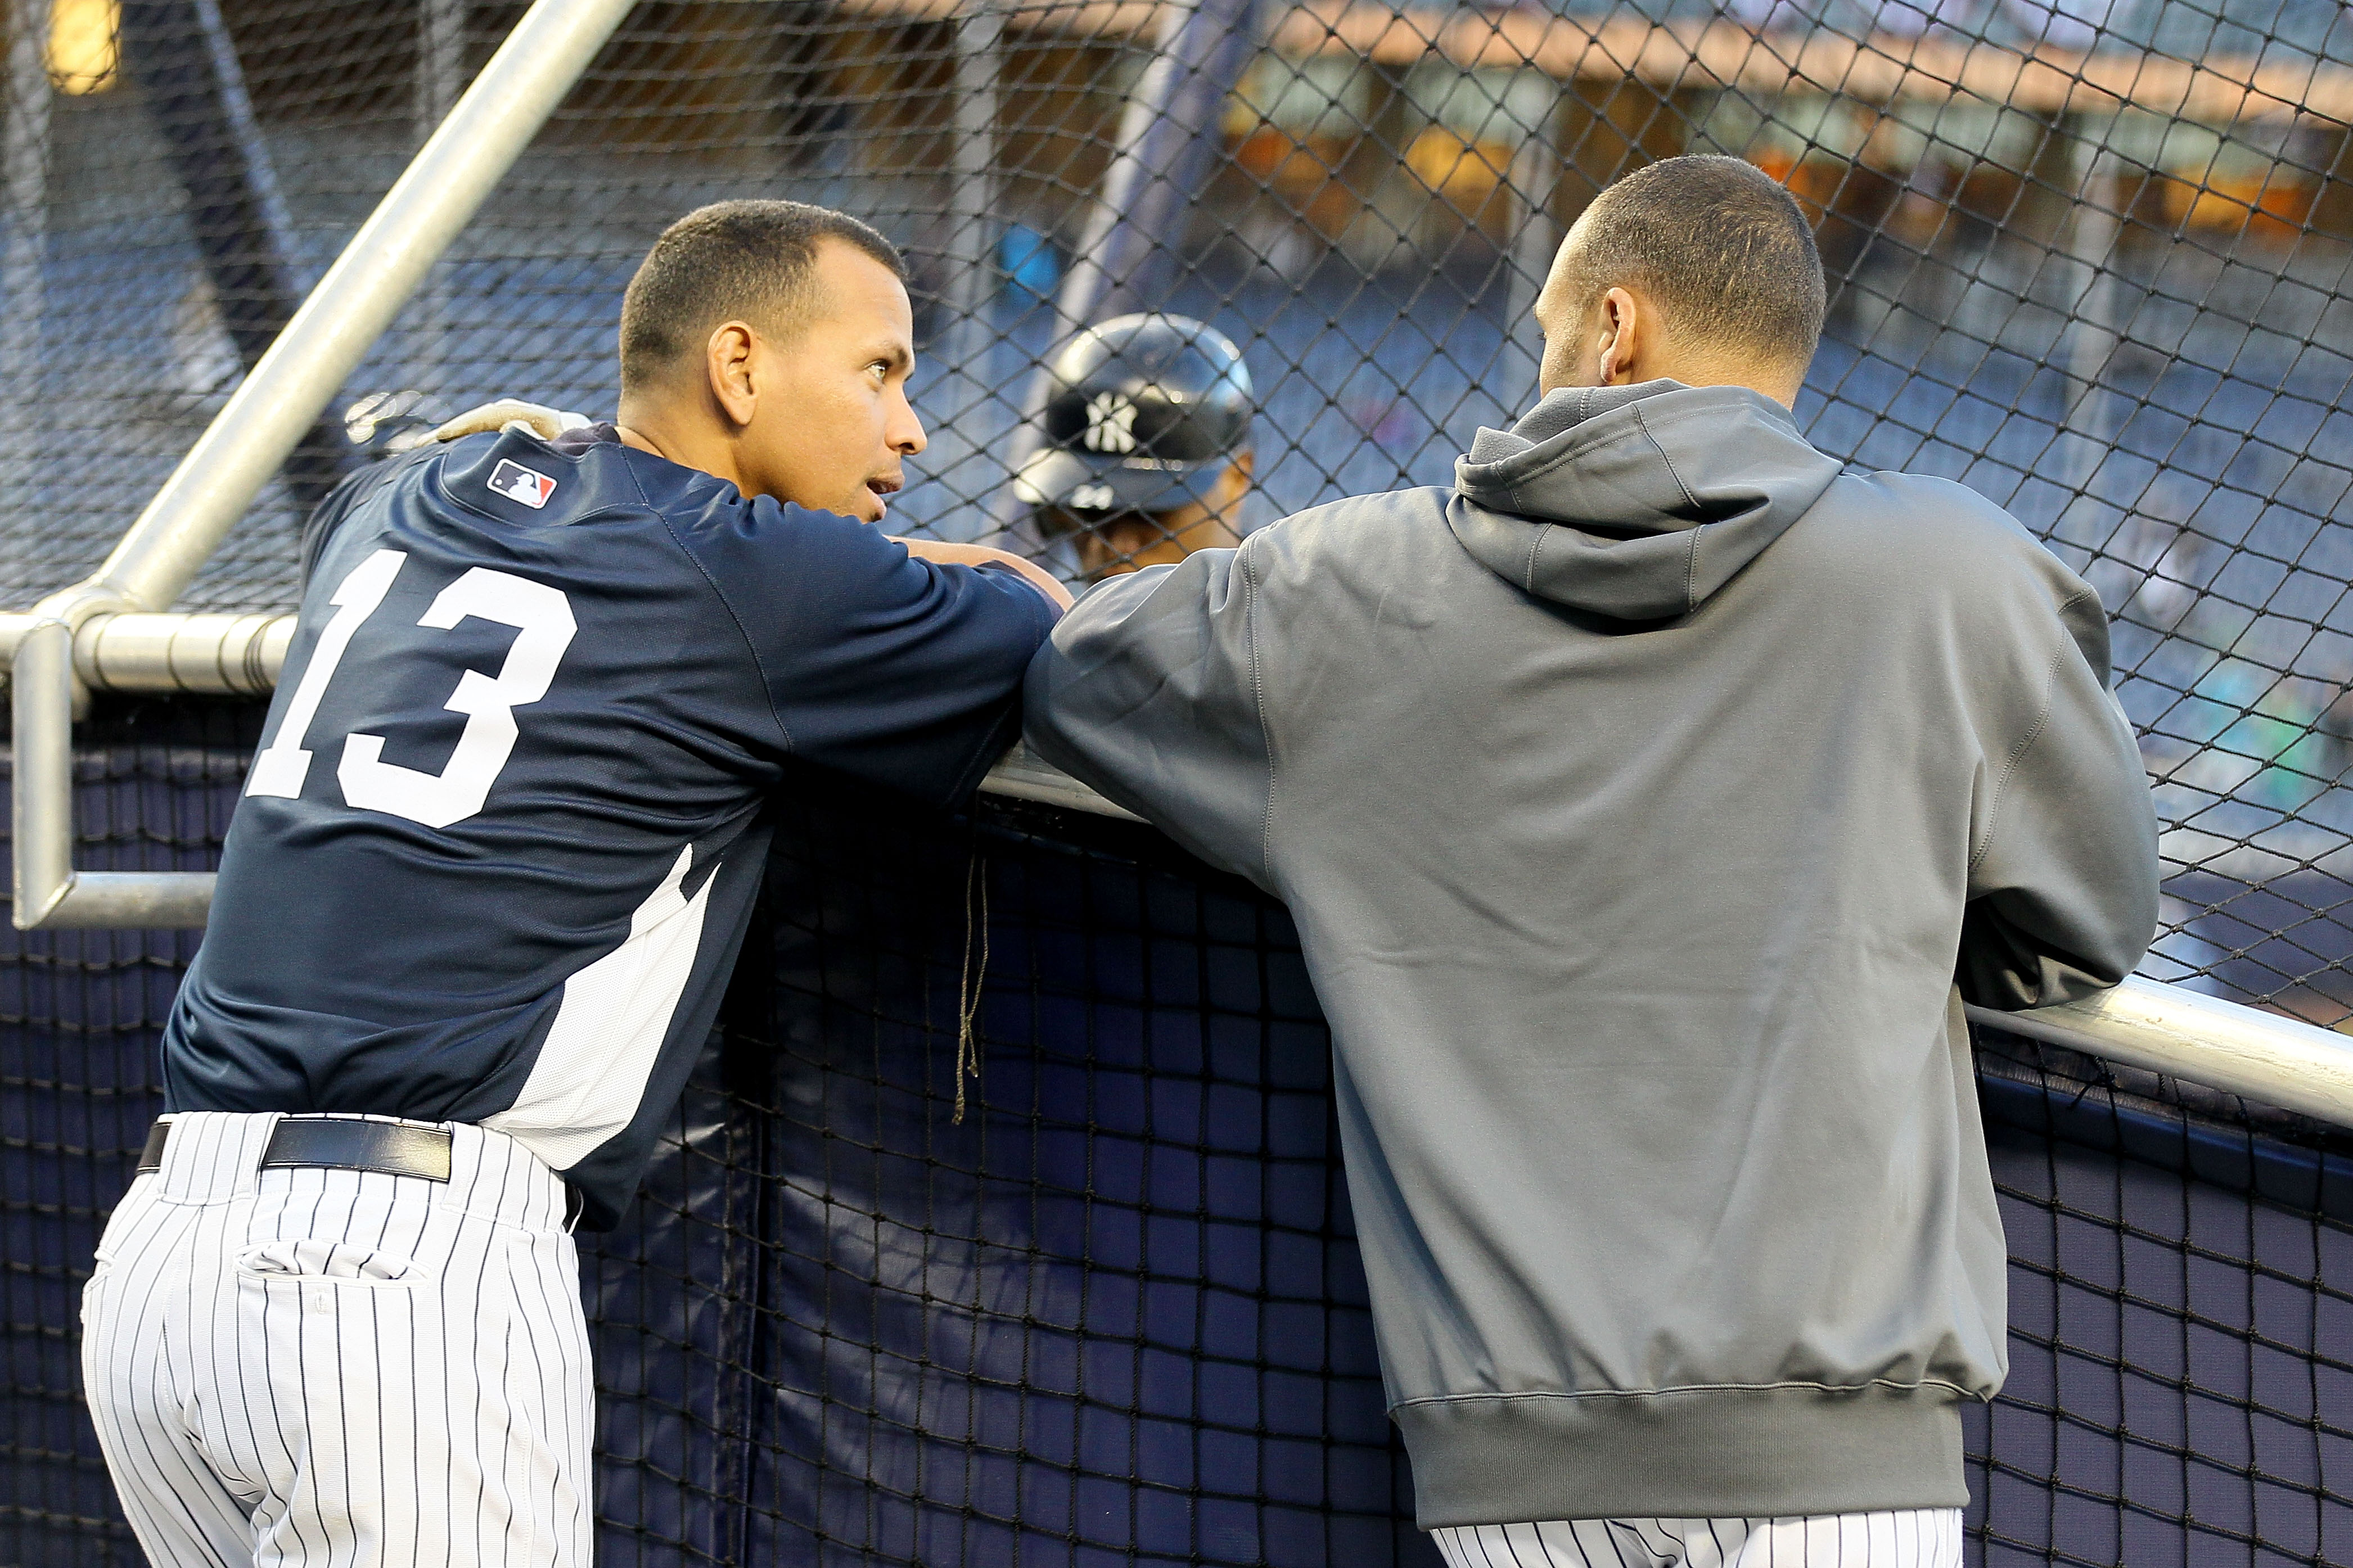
(110, 632)
(271, 410)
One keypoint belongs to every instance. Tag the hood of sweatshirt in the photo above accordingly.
(1635, 503)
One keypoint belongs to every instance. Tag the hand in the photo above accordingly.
(545, 423)
(979, 554)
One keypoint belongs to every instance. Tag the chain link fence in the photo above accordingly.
(2089, 258)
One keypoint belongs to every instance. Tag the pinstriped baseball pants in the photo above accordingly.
(1907, 1538)
(308, 1366)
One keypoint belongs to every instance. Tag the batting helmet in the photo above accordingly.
(1147, 413)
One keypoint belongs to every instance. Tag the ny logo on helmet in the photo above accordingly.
(1111, 423)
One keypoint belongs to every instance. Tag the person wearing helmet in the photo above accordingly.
(1147, 456)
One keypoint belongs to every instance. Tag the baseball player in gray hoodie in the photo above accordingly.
(1649, 801)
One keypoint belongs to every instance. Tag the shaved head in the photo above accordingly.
(1714, 244)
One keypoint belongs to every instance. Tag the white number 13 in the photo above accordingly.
(541, 617)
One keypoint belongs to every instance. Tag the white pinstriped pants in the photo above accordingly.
(310, 1366)
(1907, 1538)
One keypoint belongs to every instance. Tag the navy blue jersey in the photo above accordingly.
(502, 840)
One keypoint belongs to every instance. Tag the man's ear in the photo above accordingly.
(728, 361)
(1622, 324)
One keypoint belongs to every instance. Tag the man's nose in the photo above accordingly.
(904, 433)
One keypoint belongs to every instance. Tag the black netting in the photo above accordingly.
(1113, 1314)
(2089, 258)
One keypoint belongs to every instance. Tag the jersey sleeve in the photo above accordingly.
(342, 501)
(902, 672)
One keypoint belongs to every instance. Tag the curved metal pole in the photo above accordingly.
(434, 199)
(423, 212)
(48, 890)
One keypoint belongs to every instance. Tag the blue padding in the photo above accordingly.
(1116, 1315)
(2233, 1158)
(1118, 1309)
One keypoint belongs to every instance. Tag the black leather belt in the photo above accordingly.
(340, 1143)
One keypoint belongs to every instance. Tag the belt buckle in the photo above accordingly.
(151, 1156)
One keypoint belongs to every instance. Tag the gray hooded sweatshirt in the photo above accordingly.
(1640, 801)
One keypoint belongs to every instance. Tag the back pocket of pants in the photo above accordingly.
(339, 1261)
(98, 1275)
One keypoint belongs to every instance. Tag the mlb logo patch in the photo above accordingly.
(517, 483)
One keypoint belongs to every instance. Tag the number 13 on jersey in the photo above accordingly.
(541, 617)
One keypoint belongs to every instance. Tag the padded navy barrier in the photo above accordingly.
(1114, 1313)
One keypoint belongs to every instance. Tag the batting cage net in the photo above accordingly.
(1006, 1227)
(2089, 259)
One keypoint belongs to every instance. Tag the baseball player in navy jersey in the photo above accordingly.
(479, 902)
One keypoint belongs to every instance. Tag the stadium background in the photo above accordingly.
(2089, 259)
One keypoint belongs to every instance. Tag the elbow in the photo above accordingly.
(1045, 701)
(2011, 961)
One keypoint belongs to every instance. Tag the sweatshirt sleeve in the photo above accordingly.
(1148, 690)
(2063, 885)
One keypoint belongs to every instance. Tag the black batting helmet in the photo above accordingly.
(1149, 411)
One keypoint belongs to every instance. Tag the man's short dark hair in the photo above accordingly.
(1718, 243)
(745, 260)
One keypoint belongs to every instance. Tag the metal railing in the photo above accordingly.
(2163, 1029)
(263, 421)
(108, 632)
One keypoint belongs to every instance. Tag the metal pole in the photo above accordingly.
(184, 61)
(409, 229)
(41, 780)
(973, 197)
(227, 655)
(48, 890)
(1536, 181)
(440, 61)
(970, 414)
(1127, 256)
(2092, 231)
(973, 200)
(25, 153)
(2165, 1029)
(279, 400)
(440, 77)
(1167, 138)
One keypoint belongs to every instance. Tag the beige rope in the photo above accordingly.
(968, 988)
